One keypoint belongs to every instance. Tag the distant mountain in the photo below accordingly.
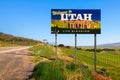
(111, 45)
(10, 39)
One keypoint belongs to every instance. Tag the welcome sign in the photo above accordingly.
(76, 21)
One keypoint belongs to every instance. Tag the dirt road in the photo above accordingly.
(15, 63)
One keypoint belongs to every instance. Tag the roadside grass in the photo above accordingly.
(58, 70)
(4, 44)
(107, 64)
(41, 51)
(109, 61)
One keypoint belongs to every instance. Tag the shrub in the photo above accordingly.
(79, 48)
(68, 47)
(103, 71)
(71, 66)
(61, 45)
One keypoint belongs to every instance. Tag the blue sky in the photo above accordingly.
(32, 19)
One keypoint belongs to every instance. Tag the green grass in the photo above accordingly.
(68, 71)
(107, 60)
(48, 71)
(58, 70)
(42, 51)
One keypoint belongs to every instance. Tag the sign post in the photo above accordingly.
(75, 54)
(56, 56)
(95, 52)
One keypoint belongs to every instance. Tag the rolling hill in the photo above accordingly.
(117, 44)
(8, 40)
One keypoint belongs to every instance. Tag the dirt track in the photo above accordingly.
(15, 63)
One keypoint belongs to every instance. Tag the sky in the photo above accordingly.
(32, 19)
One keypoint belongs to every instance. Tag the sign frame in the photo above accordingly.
(74, 21)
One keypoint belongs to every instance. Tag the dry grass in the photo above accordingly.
(99, 76)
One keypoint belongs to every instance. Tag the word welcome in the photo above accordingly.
(76, 17)
(61, 12)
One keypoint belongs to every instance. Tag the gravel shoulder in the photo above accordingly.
(15, 63)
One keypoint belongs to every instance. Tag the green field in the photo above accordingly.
(107, 64)
(107, 60)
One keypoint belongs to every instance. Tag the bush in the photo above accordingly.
(68, 47)
(107, 49)
(79, 48)
(71, 66)
(61, 45)
(91, 50)
(103, 71)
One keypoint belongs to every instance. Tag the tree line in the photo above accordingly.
(91, 50)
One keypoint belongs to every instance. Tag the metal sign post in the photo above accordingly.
(95, 52)
(75, 49)
(56, 56)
